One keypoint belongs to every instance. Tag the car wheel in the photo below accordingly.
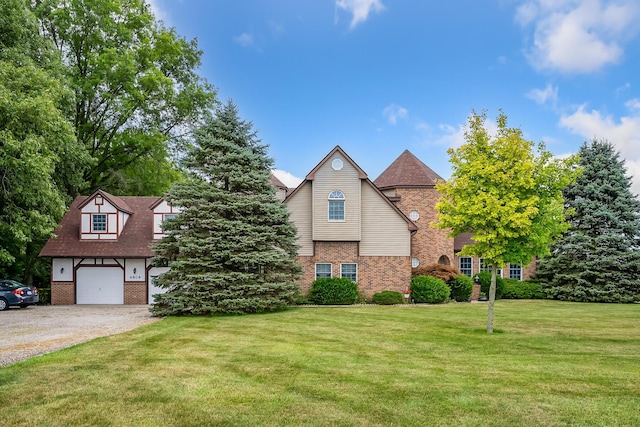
(4, 304)
(24, 305)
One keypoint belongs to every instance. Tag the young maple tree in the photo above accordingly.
(506, 195)
(232, 248)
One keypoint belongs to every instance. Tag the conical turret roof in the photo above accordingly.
(407, 171)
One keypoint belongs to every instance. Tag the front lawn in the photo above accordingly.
(548, 364)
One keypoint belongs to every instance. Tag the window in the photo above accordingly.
(515, 271)
(444, 260)
(98, 223)
(414, 215)
(415, 262)
(349, 271)
(466, 266)
(323, 271)
(487, 267)
(336, 206)
(169, 216)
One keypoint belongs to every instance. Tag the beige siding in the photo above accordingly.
(325, 181)
(384, 231)
(300, 208)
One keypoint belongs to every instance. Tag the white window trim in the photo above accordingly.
(517, 265)
(498, 271)
(336, 199)
(106, 223)
(349, 263)
(323, 263)
(460, 264)
(415, 264)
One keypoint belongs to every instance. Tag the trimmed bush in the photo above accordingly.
(429, 289)
(335, 290)
(461, 287)
(515, 289)
(444, 272)
(387, 298)
(485, 283)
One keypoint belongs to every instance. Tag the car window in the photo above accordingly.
(10, 284)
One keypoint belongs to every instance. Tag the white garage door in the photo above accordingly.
(153, 289)
(100, 285)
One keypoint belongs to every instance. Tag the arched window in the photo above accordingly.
(444, 260)
(336, 205)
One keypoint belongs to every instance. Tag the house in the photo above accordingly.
(377, 233)
(102, 250)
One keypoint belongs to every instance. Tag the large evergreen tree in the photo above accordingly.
(232, 248)
(598, 259)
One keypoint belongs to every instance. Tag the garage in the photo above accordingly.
(99, 285)
(153, 289)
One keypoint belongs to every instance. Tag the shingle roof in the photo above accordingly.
(134, 241)
(407, 171)
(462, 240)
(277, 183)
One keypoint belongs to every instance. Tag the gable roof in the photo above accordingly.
(117, 202)
(311, 175)
(461, 240)
(407, 171)
(133, 242)
(277, 183)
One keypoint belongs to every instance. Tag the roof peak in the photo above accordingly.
(407, 171)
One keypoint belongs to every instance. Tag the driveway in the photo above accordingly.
(39, 330)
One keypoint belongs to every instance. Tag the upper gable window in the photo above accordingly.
(98, 223)
(336, 206)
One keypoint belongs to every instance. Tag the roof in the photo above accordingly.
(277, 183)
(118, 202)
(134, 241)
(461, 240)
(407, 171)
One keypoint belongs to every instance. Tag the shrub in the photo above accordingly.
(461, 287)
(336, 290)
(515, 289)
(485, 283)
(429, 289)
(387, 298)
(444, 272)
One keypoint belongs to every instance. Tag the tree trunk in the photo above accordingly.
(492, 298)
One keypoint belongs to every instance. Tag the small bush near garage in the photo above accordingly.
(485, 283)
(516, 289)
(387, 298)
(461, 287)
(336, 290)
(429, 289)
(444, 272)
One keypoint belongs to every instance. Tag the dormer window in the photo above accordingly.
(98, 223)
(336, 206)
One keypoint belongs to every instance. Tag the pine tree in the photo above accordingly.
(598, 259)
(232, 247)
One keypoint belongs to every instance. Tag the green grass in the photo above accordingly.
(548, 364)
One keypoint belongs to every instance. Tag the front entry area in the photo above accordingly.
(100, 285)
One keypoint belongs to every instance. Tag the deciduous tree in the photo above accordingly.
(598, 259)
(136, 90)
(232, 247)
(505, 194)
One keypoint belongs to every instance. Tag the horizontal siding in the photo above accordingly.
(384, 231)
(299, 206)
(325, 181)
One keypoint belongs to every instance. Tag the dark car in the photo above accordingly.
(15, 293)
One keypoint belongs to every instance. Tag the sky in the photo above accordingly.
(378, 77)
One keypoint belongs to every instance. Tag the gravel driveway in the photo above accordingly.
(39, 330)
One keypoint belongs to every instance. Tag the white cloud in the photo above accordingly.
(158, 11)
(541, 96)
(360, 9)
(287, 178)
(245, 39)
(633, 104)
(623, 134)
(578, 36)
(394, 112)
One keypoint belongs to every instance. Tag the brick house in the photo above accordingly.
(359, 241)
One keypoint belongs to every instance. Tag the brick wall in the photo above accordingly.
(63, 293)
(428, 244)
(135, 293)
(375, 273)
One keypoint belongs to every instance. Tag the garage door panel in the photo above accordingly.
(100, 285)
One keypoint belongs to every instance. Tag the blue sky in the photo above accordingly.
(380, 76)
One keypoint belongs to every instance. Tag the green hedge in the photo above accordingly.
(335, 290)
(515, 289)
(461, 287)
(387, 298)
(485, 283)
(429, 289)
